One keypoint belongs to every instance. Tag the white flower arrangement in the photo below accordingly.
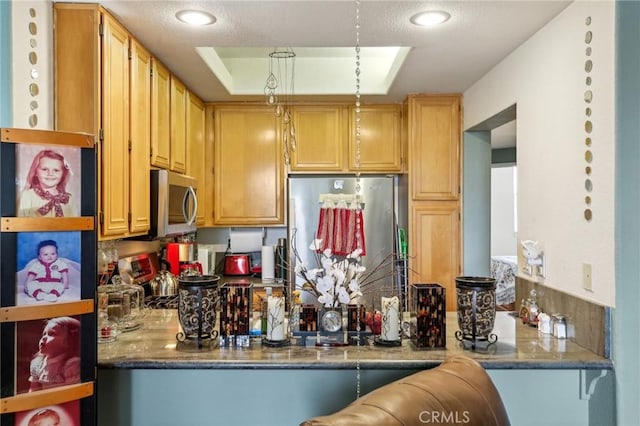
(337, 281)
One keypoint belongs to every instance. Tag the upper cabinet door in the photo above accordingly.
(140, 130)
(115, 124)
(320, 138)
(160, 115)
(380, 139)
(178, 158)
(196, 151)
(248, 175)
(434, 147)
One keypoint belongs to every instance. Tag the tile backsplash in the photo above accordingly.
(588, 323)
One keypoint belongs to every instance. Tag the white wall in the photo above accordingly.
(503, 235)
(42, 41)
(545, 77)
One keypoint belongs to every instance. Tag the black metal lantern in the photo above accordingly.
(197, 302)
(476, 298)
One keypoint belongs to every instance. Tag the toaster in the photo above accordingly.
(237, 264)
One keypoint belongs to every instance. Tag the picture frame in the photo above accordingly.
(47, 353)
(67, 414)
(48, 180)
(40, 278)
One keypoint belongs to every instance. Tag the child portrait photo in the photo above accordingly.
(48, 267)
(48, 179)
(67, 414)
(47, 353)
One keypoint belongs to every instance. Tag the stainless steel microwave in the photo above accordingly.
(174, 203)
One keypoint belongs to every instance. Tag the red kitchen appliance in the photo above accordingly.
(237, 264)
(179, 254)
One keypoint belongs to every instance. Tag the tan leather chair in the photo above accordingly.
(457, 392)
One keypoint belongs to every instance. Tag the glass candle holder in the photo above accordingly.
(235, 313)
(197, 301)
(390, 331)
(428, 316)
(476, 297)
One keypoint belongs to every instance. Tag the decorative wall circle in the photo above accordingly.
(587, 170)
(33, 28)
(587, 200)
(33, 43)
(588, 81)
(33, 58)
(588, 20)
(588, 185)
(34, 90)
(587, 111)
(33, 120)
(588, 65)
(588, 214)
(588, 36)
(588, 96)
(32, 12)
(33, 105)
(588, 156)
(588, 51)
(34, 73)
(588, 126)
(587, 141)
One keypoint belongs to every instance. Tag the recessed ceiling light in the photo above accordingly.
(430, 18)
(195, 17)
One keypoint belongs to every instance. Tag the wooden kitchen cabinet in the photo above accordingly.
(207, 195)
(249, 171)
(434, 147)
(380, 138)
(433, 132)
(140, 134)
(160, 115)
(434, 245)
(321, 138)
(178, 157)
(196, 151)
(115, 128)
(101, 89)
(326, 139)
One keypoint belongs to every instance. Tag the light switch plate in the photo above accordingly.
(586, 276)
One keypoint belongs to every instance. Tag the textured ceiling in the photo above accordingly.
(448, 58)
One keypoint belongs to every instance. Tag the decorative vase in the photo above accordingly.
(476, 297)
(197, 300)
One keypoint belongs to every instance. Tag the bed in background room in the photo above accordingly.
(504, 269)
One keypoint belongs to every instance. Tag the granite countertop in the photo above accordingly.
(154, 346)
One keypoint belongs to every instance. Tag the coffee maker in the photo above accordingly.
(182, 257)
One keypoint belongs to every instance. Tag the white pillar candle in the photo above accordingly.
(275, 318)
(390, 319)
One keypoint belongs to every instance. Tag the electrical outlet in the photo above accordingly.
(586, 276)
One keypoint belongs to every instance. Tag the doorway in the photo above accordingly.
(504, 190)
(492, 142)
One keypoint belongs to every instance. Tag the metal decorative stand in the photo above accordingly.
(198, 298)
(476, 297)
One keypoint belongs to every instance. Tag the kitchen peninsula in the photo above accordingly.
(146, 378)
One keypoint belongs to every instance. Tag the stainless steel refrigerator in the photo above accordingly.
(379, 219)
